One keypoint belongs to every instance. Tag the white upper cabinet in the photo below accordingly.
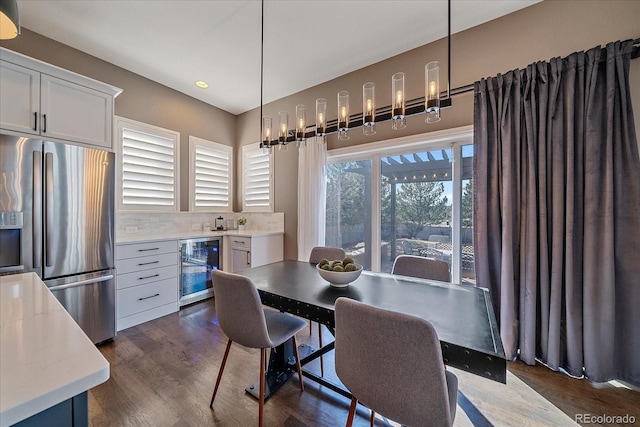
(75, 113)
(20, 98)
(55, 104)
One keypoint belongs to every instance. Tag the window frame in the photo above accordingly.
(449, 138)
(194, 142)
(246, 150)
(122, 123)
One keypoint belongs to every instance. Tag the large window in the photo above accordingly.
(416, 205)
(404, 197)
(211, 170)
(348, 217)
(148, 164)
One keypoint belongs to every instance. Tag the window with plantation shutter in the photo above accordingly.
(148, 165)
(210, 173)
(257, 182)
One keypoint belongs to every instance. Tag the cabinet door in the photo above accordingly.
(75, 113)
(20, 100)
(240, 259)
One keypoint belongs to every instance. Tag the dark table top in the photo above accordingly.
(461, 314)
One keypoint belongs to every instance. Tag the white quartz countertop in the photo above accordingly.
(142, 237)
(45, 358)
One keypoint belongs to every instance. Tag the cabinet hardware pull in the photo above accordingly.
(147, 263)
(148, 277)
(35, 120)
(44, 123)
(238, 241)
(151, 296)
(150, 249)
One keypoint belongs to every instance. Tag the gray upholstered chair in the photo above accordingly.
(392, 363)
(327, 252)
(421, 267)
(243, 319)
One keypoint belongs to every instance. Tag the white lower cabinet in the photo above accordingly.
(247, 252)
(147, 281)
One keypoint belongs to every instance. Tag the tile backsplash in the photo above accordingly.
(152, 223)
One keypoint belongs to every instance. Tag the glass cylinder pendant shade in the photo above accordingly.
(321, 117)
(398, 100)
(283, 129)
(343, 115)
(368, 108)
(301, 124)
(432, 91)
(266, 131)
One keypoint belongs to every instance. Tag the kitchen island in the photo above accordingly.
(47, 363)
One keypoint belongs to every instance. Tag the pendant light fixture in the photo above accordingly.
(369, 108)
(343, 115)
(398, 100)
(321, 118)
(401, 106)
(301, 125)
(9, 19)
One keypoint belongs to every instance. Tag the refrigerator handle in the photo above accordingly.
(48, 211)
(82, 282)
(37, 207)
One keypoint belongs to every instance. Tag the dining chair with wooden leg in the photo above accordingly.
(392, 363)
(316, 255)
(244, 321)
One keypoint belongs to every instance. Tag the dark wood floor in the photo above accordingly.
(163, 372)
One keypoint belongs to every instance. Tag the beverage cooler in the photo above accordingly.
(198, 257)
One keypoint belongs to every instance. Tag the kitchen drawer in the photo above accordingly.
(146, 297)
(138, 278)
(240, 242)
(131, 265)
(146, 249)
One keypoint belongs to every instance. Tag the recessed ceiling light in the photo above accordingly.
(202, 85)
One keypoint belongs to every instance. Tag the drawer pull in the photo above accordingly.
(150, 249)
(151, 296)
(148, 263)
(239, 242)
(148, 277)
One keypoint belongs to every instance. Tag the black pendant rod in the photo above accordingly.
(261, 66)
(449, 50)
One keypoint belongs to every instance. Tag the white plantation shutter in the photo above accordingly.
(211, 172)
(149, 167)
(257, 194)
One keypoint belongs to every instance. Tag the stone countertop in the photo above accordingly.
(141, 238)
(45, 358)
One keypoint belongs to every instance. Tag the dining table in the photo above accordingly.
(462, 315)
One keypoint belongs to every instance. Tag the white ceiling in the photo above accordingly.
(306, 42)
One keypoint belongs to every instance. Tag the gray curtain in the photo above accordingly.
(557, 212)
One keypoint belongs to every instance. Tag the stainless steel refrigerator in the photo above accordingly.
(57, 219)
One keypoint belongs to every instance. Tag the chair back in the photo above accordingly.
(421, 267)
(239, 310)
(327, 252)
(392, 363)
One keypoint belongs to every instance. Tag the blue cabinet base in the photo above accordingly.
(73, 412)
